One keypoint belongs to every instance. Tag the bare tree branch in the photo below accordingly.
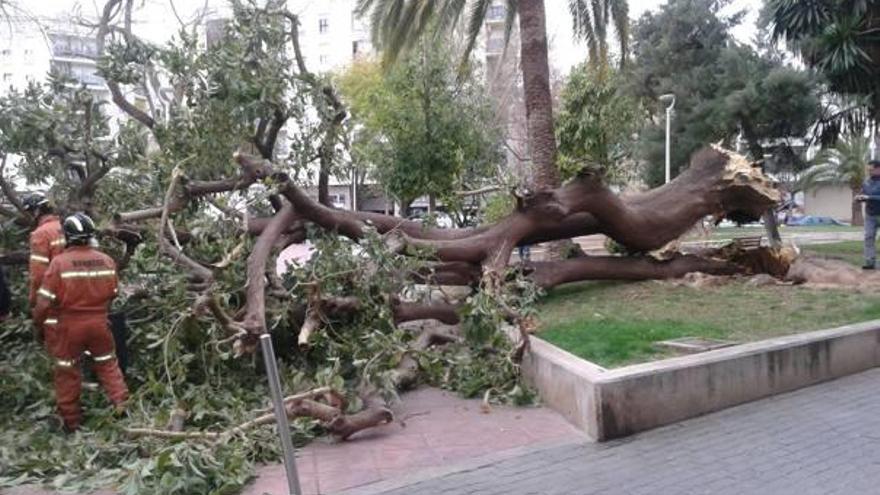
(111, 9)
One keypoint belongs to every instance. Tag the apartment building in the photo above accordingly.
(331, 34)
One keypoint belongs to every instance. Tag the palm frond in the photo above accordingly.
(590, 21)
(620, 17)
(476, 17)
(582, 25)
(842, 164)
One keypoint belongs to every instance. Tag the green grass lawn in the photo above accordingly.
(616, 323)
(849, 251)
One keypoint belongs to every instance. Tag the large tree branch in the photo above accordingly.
(111, 9)
(266, 141)
(552, 273)
(252, 170)
(408, 311)
(87, 188)
(255, 318)
(202, 276)
(8, 190)
(296, 406)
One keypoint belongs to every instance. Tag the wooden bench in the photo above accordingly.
(748, 242)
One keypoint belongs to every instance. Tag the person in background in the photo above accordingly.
(871, 197)
(79, 286)
(525, 252)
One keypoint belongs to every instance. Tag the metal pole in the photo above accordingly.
(280, 414)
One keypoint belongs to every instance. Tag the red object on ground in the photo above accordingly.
(79, 285)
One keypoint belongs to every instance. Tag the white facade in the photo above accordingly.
(32, 49)
(25, 54)
(330, 33)
(829, 200)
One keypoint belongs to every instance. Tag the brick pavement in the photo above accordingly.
(822, 440)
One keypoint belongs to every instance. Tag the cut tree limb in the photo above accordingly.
(297, 406)
(255, 317)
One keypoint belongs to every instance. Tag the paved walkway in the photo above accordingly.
(821, 440)
(434, 429)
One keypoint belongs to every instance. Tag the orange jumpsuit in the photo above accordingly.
(47, 242)
(79, 286)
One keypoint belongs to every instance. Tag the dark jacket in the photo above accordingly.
(871, 189)
(5, 296)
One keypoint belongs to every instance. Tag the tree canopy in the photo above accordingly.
(597, 124)
(722, 88)
(425, 128)
(838, 38)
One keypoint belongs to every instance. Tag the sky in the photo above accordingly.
(156, 20)
(564, 52)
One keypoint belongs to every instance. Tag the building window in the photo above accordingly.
(323, 59)
(337, 200)
(496, 13)
(495, 44)
(7, 77)
(323, 25)
(354, 48)
(6, 52)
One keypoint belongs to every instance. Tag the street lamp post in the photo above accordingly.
(668, 98)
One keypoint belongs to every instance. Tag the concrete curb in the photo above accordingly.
(608, 404)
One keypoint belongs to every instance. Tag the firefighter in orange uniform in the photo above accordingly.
(79, 286)
(47, 240)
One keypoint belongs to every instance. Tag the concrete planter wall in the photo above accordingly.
(609, 404)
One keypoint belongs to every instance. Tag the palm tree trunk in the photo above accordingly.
(857, 219)
(536, 86)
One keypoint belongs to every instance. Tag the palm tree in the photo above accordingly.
(839, 39)
(398, 24)
(845, 163)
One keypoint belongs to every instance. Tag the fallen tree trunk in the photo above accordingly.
(718, 183)
(550, 274)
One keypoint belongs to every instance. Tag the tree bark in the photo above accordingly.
(538, 100)
(771, 227)
(551, 274)
(717, 183)
(255, 318)
(324, 185)
(858, 218)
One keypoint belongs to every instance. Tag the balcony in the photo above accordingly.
(70, 46)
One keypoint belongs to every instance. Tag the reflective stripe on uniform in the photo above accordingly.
(58, 242)
(65, 363)
(39, 259)
(46, 293)
(103, 357)
(94, 274)
(51, 321)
